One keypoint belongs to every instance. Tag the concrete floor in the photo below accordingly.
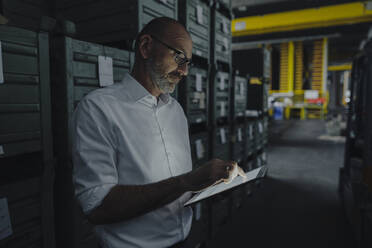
(297, 204)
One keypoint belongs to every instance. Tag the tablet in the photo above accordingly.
(252, 175)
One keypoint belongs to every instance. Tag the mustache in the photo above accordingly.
(175, 75)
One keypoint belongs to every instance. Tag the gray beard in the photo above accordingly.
(160, 81)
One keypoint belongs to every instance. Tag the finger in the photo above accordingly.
(241, 172)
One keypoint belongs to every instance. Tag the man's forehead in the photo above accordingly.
(180, 40)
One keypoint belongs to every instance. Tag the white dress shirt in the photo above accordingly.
(123, 135)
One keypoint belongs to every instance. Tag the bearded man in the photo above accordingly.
(131, 152)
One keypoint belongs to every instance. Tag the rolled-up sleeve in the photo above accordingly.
(93, 154)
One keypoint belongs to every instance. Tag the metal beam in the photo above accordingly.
(256, 44)
(342, 14)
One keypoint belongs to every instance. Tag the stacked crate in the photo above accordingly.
(194, 97)
(75, 73)
(25, 14)
(26, 154)
(220, 103)
(113, 22)
(257, 102)
(239, 100)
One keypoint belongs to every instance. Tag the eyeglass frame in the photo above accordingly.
(177, 53)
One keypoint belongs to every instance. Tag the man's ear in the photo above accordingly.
(145, 46)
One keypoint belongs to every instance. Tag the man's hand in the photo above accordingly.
(234, 173)
(206, 175)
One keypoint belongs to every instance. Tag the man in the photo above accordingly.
(131, 151)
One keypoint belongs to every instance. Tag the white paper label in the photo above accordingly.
(225, 44)
(225, 26)
(199, 149)
(242, 89)
(106, 71)
(198, 211)
(223, 112)
(198, 82)
(1, 65)
(260, 128)
(199, 14)
(239, 26)
(5, 225)
(240, 136)
(223, 136)
(199, 53)
(1, 150)
(222, 81)
(264, 157)
(198, 120)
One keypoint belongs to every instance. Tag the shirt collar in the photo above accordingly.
(137, 92)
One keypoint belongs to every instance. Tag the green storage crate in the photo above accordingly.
(75, 74)
(240, 96)
(26, 212)
(224, 4)
(25, 93)
(250, 145)
(222, 38)
(239, 144)
(24, 14)
(195, 15)
(221, 143)
(220, 98)
(259, 134)
(199, 148)
(265, 130)
(193, 96)
(113, 21)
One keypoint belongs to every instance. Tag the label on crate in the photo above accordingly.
(105, 70)
(1, 150)
(225, 44)
(197, 211)
(225, 26)
(240, 136)
(198, 52)
(223, 136)
(222, 81)
(198, 82)
(239, 26)
(198, 120)
(1, 66)
(199, 148)
(251, 131)
(241, 88)
(260, 128)
(223, 112)
(5, 224)
(199, 14)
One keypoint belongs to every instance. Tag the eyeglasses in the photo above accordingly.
(179, 57)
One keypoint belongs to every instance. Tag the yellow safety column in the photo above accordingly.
(319, 76)
(286, 67)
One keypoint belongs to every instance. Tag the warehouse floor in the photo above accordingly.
(297, 205)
